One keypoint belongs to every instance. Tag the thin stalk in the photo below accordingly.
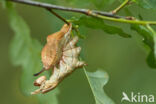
(121, 6)
(125, 21)
(61, 18)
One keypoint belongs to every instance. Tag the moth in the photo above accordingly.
(60, 54)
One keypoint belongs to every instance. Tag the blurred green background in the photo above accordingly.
(123, 58)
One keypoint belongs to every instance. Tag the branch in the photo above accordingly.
(51, 6)
(94, 13)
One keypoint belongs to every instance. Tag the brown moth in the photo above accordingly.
(61, 54)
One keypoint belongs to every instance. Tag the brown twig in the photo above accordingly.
(56, 7)
(51, 11)
(93, 13)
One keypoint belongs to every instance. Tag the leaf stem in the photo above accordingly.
(89, 82)
(120, 6)
(125, 20)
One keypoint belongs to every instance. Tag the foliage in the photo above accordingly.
(97, 80)
(149, 4)
(96, 23)
(150, 42)
(25, 51)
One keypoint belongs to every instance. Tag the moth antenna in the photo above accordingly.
(43, 69)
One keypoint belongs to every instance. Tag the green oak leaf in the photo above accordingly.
(148, 4)
(25, 52)
(96, 23)
(149, 36)
(97, 81)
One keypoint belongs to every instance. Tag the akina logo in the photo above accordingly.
(138, 97)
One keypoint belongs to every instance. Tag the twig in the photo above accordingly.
(94, 13)
(126, 21)
(50, 10)
(120, 6)
(78, 10)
